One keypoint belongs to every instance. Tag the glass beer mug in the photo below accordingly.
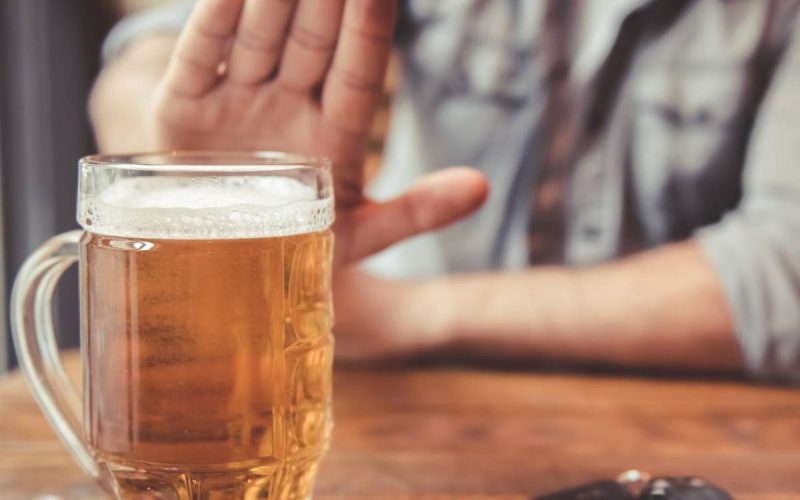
(205, 325)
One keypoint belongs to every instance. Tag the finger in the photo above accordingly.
(194, 69)
(435, 201)
(311, 42)
(259, 40)
(354, 84)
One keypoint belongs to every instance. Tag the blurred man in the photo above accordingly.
(643, 156)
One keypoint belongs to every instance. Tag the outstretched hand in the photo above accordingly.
(304, 76)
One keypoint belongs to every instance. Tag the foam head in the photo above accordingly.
(205, 207)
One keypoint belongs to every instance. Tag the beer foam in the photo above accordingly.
(227, 207)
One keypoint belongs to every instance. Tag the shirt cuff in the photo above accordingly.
(169, 19)
(757, 259)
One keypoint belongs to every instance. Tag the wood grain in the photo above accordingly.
(459, 433)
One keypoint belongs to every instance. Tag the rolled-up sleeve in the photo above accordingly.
(756, 249)
(167, 19)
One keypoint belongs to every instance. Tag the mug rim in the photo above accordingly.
(205, 162)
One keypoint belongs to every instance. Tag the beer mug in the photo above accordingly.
(206, 347)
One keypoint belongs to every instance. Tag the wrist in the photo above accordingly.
(436, 313)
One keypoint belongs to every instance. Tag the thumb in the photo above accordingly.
(433, 202)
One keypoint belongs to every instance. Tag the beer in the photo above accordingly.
(206, 333)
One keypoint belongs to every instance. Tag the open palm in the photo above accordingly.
(303, 76)
(275, 74)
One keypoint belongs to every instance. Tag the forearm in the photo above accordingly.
(664, 308)
(123, 93)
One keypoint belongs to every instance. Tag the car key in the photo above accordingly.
(687, 488)
(634, 485)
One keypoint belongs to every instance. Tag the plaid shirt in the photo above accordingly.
(687, 127)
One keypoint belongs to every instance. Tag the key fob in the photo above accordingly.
(600, 490)
(686, 488)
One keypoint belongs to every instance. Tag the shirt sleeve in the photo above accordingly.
(756, 248)
(168, 19)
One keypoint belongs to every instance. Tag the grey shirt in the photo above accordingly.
(688, 126)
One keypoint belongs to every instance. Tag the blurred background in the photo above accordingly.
(49, 57)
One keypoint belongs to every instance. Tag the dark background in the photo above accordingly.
(49, 56)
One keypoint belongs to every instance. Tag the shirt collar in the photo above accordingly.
(600, 23)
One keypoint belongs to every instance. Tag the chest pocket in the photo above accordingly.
(688, 132)
(477, 49)
(473, 66)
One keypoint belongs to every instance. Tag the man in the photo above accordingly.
(643, 156)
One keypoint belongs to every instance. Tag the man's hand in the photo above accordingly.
(303, 76)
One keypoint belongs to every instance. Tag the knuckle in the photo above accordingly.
(311, 40)
(195, 65)
(209, 32)
(356, 82)
(253, 41)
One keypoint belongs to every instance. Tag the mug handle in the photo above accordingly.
(36, 347)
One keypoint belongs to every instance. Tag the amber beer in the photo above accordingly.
(205, 324)
(208, 357)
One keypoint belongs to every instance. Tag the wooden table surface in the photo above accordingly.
(469, 433)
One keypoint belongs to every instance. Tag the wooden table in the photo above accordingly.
(468, 433)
